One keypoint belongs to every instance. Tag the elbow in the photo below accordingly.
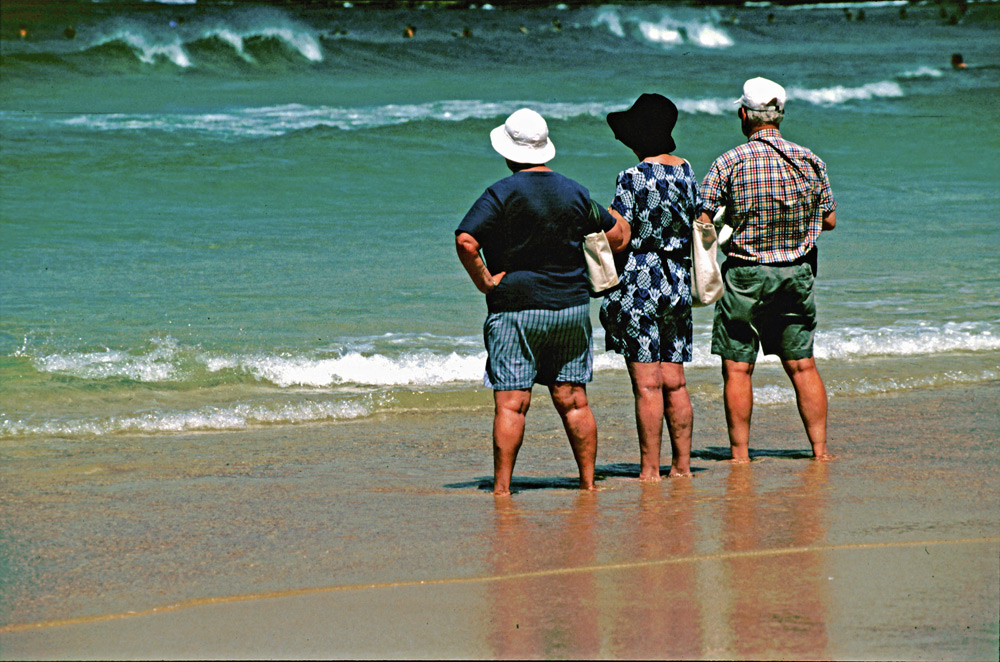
(466, 244)
(619, 236)
(829, 221)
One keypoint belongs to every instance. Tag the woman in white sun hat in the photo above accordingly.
(530, 228)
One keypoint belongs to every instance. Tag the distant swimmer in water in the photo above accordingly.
(69, 32)
(556, 24)
(409, 31)
(522, 29)
(957, 61)
(22, 31)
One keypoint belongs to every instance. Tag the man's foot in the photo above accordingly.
(676, 472)
(650, 477)
(825, 457)
(739, 460)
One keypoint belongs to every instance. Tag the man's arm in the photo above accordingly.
(468, 253)
(620, 235)
(830, 219)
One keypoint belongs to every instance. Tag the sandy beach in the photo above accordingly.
(379, 538)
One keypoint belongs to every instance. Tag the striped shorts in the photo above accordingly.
(527, 347)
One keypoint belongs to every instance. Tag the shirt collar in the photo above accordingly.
(765, 133)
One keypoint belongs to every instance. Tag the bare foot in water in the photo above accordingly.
(825, 457)
(677, 473)
(653, 478)
(739, 460)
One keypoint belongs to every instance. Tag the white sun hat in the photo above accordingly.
(762, 94)
(524, 138)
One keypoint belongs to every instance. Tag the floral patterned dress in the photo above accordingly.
(648, 318)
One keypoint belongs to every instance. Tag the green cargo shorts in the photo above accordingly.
(765, 306)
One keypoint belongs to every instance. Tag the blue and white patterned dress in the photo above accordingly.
(648, 318)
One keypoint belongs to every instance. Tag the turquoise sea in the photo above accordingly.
(228, 215)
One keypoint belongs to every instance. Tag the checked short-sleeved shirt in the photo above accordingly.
(775, 210)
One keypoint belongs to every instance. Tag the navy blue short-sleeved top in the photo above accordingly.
(532, 225)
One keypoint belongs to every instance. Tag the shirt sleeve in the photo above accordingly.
(826, 200)
(624, 201)
(713, 187)
(481, 219)
(607, 221)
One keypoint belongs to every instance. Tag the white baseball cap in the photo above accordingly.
(524, 138)
(762, 94)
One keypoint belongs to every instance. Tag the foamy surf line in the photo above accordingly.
(416, 361)
(208, 419)
(269, 121)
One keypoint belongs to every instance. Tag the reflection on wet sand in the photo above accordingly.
(651, 611)
(779, 603)
(578, 583)
(548, 616)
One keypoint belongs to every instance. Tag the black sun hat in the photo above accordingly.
(646, 126)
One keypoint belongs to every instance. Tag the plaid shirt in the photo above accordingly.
(776, 212)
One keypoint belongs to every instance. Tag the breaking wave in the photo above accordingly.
(270, 121)
(416, 361)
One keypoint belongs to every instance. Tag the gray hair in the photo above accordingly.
(769, 116)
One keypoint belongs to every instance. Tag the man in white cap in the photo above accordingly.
(778, 200)
(530, 227)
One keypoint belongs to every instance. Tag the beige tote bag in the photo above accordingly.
(601, 272)
(706, 276)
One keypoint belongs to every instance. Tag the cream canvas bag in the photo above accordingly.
(706, 276)
(601, 272)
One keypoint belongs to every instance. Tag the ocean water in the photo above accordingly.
(227, 215)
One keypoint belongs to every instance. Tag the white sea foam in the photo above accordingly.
(234, 417)
(907, 340)
(610, 18)
(923, 72)
(148, 50)
(671, 32)
(415, 360)
(830, 96)
(661, 34)
(840, 5)
(280, 120)
(419, 368)
(155, 366)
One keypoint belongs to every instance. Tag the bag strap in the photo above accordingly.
(594, 218)
(784, 156)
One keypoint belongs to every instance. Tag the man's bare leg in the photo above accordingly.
(810, 395)
(571, 402)
(738, 398)
(509, 410)
(679, 415)
(647, 388)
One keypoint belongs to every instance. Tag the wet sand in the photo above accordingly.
(379, 538)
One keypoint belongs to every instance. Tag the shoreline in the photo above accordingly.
(346, 525)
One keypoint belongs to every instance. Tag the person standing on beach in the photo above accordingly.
(648, 318)
(778, 200)
(530, 228)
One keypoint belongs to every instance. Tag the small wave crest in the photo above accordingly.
(418, 360)
(838, 94)
(218, 418)
(420, 368)
(669, 29)
(923, 72)
(270, 121)
(907, 340)
(149, 47)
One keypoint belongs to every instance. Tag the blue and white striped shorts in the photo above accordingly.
(527, 347)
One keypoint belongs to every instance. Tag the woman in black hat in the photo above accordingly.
(648, 318)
